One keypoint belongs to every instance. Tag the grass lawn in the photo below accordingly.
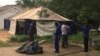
(3, 44)
(76, 38)
(23, 38)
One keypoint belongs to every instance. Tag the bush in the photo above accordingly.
(48, 38)
(23, 38)
(3, 44)
(19, 38)
(77, 38)
(97, 46)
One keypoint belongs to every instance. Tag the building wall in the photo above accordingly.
(7, 15)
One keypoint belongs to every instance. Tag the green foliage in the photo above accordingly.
(26, 3)
(19, 38)
(94, 34)
(97, 46)
(31, 3)
(23, 38)
(47, 38)
(67, 8)
(76, 38)
(3, 44)
(80, 10)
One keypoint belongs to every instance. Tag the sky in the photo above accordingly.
(7, 2)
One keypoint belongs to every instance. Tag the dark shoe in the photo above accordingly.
(64, 47)
(56, 52)
(85, 50)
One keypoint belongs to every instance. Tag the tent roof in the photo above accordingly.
(34, 14)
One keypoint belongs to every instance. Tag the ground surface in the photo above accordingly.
(4, 35)
(48, 49)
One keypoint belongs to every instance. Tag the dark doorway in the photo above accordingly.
(20, 27)
(23, 26)
(6, 24)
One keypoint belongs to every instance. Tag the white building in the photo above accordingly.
(7, 12)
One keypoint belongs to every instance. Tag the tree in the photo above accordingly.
(31, 3)
(26, 3)
(82, 11)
